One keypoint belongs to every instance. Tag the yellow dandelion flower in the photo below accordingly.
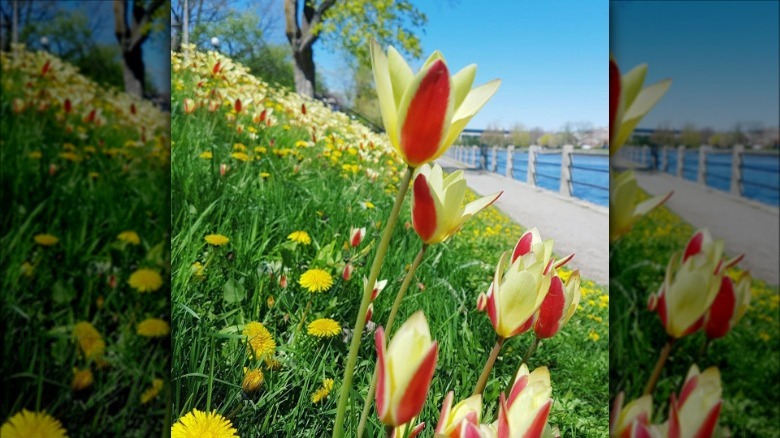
(264, 175)
(239, 147)
(197, 424)
(593, 336)
(89, 340)
(260, 343)
(206, 155)
(272, 364)
(130, 237)
(35, 155)
(252, 380)
(240, 156)
(145, 280)
(151, 392)
(45, 239)
(260, 150)
(27, 424)
(323, 391)
(369, 205)
(217, 239)
(300, 237)
(153, 328)
(316, 280)
(324, 328)
(197, 270)
(28, 269)
(82, 379)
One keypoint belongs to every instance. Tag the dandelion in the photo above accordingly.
(27, 424)
(89, 340)
(593, 336)
(217, 239)
(130, 237)
(206, 155)
(197, 424)
(28, 269)
(151, 392)
(145, 280)
(324, 328)
(259, 340)
(272, 364)
(239, 147)
(197, 270)
(252, 380)
(45, 239)
(153, 328)
(316, 280)
(240, 156)
(82, 379)
(300, 237)
(323, 391)
(369, 205)
(264, 175)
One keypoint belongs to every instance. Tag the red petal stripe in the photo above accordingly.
(423, 209)
(550, 313)
(537, 427)
(423, 126)
(708, 425)
(688, 388)
(517, 388)
(721, 311)
(415, 392)
(694, 245)
(445, 411)
(523, 245)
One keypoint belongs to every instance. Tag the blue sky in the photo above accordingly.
(550, 55)
(723, 58)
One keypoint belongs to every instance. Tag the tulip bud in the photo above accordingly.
(223, 168)
(404, 370)
(691, 283)
(454, 421)
(52, 169)
(303, 109)
(238, 106)
(18, 105)
(730, 304)
(369, 312)
(283, 281)
(67, 106)
(437, 213)
(482, 302)
(379, 286)
(632, 420)
(524, 413)
(356, 236)
(189, 106)
(347, 273)
(696, 412)
(425, 113)
(558, 306)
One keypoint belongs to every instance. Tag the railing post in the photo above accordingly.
(680, 161)
(645, 153)
(510, 151)
(736, 169)
(565, 188)
(474, 156)
(531, 176)
(664, 159)
(701, 176)
(494, 165)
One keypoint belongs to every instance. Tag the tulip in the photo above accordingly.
(223, 169)
(405, 369)
(356, 236)
(463, 418)
(347, 273)
(623, 209)
(629, 102)
(524, 413)
(518, 291)
(632, 420)
(283, 281)
(558, 306)
(425, 113)
(189, 106)
(691, 283)
(729, 306)
(379, 286)
(695, 413)
(369, 312)
(437, 213)
(401, 431)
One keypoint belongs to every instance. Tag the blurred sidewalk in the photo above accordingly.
(577, 226)
(746, 226)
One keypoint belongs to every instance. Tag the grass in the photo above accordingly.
(308, 172)
(84, 182)
(748, 357)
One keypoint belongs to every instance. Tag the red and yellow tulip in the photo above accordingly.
(631, 420)
(558, 306)
(695, 413)
(425, 113)
(731, 303)
(524, 413)
(437, 212)
(401, 431)
(461, 420)
(404, 370)
(623, 209)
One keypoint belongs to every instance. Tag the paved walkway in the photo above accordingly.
(577, 226)
(745, 226)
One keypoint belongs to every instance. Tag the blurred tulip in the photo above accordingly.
(369, 312)
(283, 281)
(729, 306)
(425, 113)
(52, 169)
(223, 169)
(356, 236)
(623, 209)
(379, 286)
(459, 420)
(437, 213)
(189, 106)
(695, 413)
(524, 413)
(404, 370)
(690, 286)
(401, 431)
(518, 291)
(18, 105)
(632, 420)
(558, 306)
(347, 273)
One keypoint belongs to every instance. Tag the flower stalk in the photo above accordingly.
(531, 350)
(379, 257)
(659, 366)
(483, 378)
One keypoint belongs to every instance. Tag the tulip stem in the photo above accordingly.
(659, 366)
(360, 322)
(483, 378)
(531, 350)
(703, 349)
(388, 327)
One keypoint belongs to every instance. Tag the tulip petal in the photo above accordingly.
(417, 390)
(462, 82)
(425, 113)
(517, 388)
(503, 418)
(648, 205)
(631, 84)
(551, 312)
(694, 245)
(710, 421)
(401, 74)
(537, 426)
(721, 311)
(382, 386)
(424, 217)
(523, 245)
(445, 412)
(384, 91)
(475, 100)
(647, 98)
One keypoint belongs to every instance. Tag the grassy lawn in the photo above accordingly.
(83, 178)
(748, 357)
(256, 183)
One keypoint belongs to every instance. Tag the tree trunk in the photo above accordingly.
(133, 66)
(304, 71)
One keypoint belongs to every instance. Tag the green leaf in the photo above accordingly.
(233, 291)
(62, 294)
